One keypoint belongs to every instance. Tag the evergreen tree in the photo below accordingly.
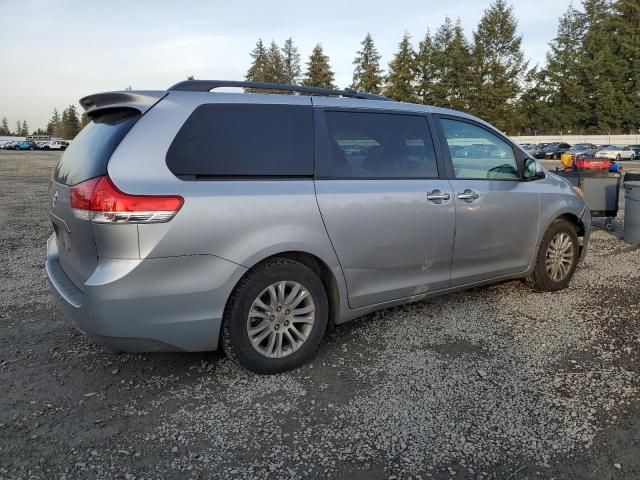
(534, 108)
(561, 81)
(259, 63)
(626, 24)
(4, 127)
(451, 64)
(70, 123)
(498, 66)
(601, 70)
(84, 119)
(319, 73)
(400, 79)
(367, 75)
(425, 73)
(291, 62)
(24, 130)
(53, 122)
(18, 130)
(274, 70)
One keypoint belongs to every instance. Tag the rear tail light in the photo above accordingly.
(98, 200)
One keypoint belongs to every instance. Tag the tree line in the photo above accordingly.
(64, 126)
(589, 82)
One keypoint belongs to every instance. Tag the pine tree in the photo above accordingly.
(4, 127)
(425, 73)
(367, 75)
(601, 70)
(625, 24)
(451, 64)
(259, 64)
(498, 66)
(84, 119)
(561, 80)
(291, 62)
(534, 109)
(18, 130)
(53, 122)
(70, 122)
(24, 130)
(319, 73)
(400, 79)
(274, 71)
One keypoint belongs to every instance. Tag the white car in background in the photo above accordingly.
(616, 152)
(55, 145)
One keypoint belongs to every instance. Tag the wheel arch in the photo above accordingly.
(317, 265)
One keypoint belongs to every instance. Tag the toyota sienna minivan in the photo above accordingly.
(190, 219)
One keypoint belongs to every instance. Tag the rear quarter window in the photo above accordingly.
(244, 140)
(88, 154)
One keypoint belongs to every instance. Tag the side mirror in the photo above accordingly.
(532, 169)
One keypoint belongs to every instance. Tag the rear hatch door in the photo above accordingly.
(85, 158)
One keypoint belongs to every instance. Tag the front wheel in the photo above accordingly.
(557, 258)
(618, 158)
(276, 317)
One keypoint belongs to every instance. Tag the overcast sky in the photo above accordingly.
(55, 52)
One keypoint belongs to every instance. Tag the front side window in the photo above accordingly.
(379, 145)
(477, 153)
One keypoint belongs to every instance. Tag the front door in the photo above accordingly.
(496, 212)
(389, 217)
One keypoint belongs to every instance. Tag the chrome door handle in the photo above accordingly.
(437, 195)
(468, 195)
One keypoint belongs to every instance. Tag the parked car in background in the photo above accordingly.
(582, 151)
(636, 150)
(334, 204)
(552, 151)
(9, 145)
(25, 145)
(56, 145)
(616, 152)
(3, 143)
(41, 145)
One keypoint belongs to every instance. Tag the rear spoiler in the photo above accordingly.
(141, 100)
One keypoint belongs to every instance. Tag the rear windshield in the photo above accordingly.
(238, 140)
(88, 154)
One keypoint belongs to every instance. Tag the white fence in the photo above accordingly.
(573, 139)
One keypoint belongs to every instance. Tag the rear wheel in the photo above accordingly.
(557, 258)
(276, 317)
(618, 158)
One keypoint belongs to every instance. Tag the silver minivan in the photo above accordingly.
(190, 219)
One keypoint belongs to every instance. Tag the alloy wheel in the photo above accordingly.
(559, 259)
(281, 319)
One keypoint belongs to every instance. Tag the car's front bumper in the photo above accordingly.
(158, 304)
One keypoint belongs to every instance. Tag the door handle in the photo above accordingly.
(468, 194)
(437, 195)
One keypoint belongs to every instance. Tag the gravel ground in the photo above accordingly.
(496, 382)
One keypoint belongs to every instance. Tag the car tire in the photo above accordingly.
(31, 148)
(557, 258)
(62, 149)
(632, 157)
(618, 158)
(278, 351)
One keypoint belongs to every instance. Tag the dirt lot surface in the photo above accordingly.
(496, 382)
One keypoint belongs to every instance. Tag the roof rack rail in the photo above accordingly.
(206, 85)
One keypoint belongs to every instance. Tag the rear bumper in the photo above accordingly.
(159, 304)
